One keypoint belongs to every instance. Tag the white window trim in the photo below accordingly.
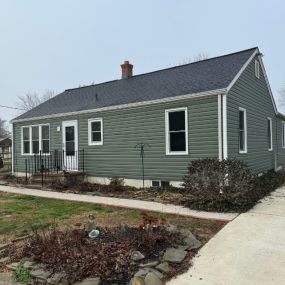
(283, 134)
(30, 139)
(90, 142)
(245, 131)
(257, 69)
(167, 137)
(271, 135)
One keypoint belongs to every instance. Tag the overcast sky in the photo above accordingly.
(60, 44)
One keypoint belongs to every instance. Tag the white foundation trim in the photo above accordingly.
(138, 183)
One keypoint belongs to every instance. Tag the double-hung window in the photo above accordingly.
(35, 139)
(283, 134)
(176, 128)
(26, 140)
(95, 131)
(242, 131)
(269, 134)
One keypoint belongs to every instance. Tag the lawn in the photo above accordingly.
(19, 214)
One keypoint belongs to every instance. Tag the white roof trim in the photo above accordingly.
(267, 83)
(131, 105)
(242, 70)
(264, 72)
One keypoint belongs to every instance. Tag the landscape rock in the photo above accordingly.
(149, 264)
(137, 280)
(172, 229)
(13, 266)
(175, 255)
(4, 252)
(30, 264)
(6, 279)
(142, 272)
(57, 278)
(152, 279)
(41, 274)
(89, 281)
(21, 238)
(3, 246)
(163, 267)
(191, 242)
(157, 273)
(4, 260)
(137, 256)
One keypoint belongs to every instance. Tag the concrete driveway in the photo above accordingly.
(250, 250)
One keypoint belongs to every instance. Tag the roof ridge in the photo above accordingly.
(163, 69)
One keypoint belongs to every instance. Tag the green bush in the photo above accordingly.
(22, 275)
(117, 183)
(227, 185)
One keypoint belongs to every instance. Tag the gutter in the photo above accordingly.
(128, 106)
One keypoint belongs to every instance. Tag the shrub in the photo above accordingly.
(117, 183)
(22, 275)
(227, 185)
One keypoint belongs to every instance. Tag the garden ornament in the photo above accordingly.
(91, 224)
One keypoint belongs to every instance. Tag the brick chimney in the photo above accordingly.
(127, 69)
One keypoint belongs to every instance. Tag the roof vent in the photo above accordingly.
(127, 69)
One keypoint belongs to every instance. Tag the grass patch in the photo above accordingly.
(19, 214)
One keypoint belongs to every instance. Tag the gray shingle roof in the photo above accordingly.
(206, 75)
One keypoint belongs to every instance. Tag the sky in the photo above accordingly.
(61, 44)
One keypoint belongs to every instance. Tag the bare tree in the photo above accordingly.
(198, 57)
(4, 132)
(31, 100)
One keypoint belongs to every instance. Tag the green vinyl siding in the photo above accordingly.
(280, 149)
(123, 129)
(252, 94)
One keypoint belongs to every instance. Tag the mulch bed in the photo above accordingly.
(107, 257)
(171, 195)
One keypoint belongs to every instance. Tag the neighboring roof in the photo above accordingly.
(206, 75)
(5, 141)
(281, 116)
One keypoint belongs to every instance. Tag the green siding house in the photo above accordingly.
(219, 107)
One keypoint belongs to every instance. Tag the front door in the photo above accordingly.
(70, 145)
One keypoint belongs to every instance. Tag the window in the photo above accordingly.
(95, 131)
(283, 134)
(176, 129)
(269, 134)
(26, 140)
(45, 139)
(257, 69)
(35, 139)
(242, 131)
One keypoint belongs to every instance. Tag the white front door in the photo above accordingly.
(70, 145)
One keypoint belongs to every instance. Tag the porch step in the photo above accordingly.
(51, 177)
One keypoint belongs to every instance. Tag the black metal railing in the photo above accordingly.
(5, 162)
(54, 162)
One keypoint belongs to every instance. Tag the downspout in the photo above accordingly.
(12, 149)
(224, 126)
(220, 127)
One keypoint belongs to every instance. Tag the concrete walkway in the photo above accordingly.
(248, 251)
(125, 203)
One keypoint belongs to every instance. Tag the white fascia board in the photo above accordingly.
(131, 105)
(267, 83)
(257, 52)
(242, 70)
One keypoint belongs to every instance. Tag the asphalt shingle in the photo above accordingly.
(206, 75)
